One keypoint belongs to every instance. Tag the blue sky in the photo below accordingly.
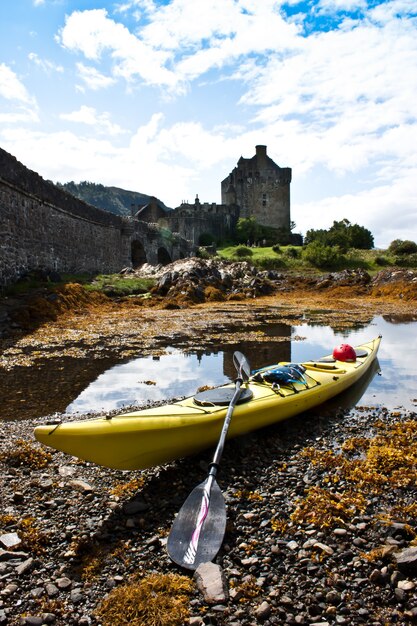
(163, 97)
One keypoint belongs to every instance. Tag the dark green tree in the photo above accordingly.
(342, 234)
(400, 246)
(248, 229)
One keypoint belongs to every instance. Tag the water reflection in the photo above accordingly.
(396, 387)
(77, 385)
(180, 374)
(27, 392)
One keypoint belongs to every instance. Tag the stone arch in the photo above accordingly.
(138, 254)
(163, 256)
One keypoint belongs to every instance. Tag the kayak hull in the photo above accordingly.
(151, 437)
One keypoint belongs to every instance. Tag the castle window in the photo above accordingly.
(264, 199)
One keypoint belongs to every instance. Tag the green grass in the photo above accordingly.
(110, 284)
(290, 258)
(116, 285)
(266, 258)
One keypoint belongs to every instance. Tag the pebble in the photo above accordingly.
(406, 585)
(51, 590)
(294, 574)
(63, 583)
(25, 567)
(134, 507)
(32, 620)
(81, 485)
(10, 540)
(263, 611)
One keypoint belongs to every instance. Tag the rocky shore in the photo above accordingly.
(321, 529)
(194, 281)
(322, 519)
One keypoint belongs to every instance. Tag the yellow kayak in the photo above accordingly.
(150, 437)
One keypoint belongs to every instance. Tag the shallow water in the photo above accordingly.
(81, 385)
(177, 374)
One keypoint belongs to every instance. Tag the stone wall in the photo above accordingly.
(36, 235)
(194, 220)
(25, 180)
(45, 228)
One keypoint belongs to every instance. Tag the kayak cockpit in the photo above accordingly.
(221, 396)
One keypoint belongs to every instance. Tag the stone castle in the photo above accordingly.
(257, 187)
(45, 228)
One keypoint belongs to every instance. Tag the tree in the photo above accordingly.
(319, 235)
(361, 237)
(342, 234)
(322, 256)
(399, 246)
(248, 229)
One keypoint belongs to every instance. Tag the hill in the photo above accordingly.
(112, 199)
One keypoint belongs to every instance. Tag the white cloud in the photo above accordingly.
(183, 39)
(19, 106)
(343, 101)
(330, 6)
(136, 166)
(387, 209)
(44, 64)
(88, 115)
(93, 78)
(11, 87)
(18, 117)
(385, 12)
(93, 33)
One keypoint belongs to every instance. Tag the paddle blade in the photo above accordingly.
(241, 364)
(182, 546)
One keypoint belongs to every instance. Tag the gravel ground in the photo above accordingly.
(78, 531)
(306, 541)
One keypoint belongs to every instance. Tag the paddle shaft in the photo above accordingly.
(214, 465)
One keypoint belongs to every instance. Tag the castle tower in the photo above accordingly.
(261, 189)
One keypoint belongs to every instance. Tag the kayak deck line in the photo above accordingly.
(157, 435)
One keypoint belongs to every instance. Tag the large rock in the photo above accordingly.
(10, 540)
(407, 559)
(210, 581)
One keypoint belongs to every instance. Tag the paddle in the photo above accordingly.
(198, 530)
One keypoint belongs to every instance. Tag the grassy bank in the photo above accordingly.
(317, 258)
